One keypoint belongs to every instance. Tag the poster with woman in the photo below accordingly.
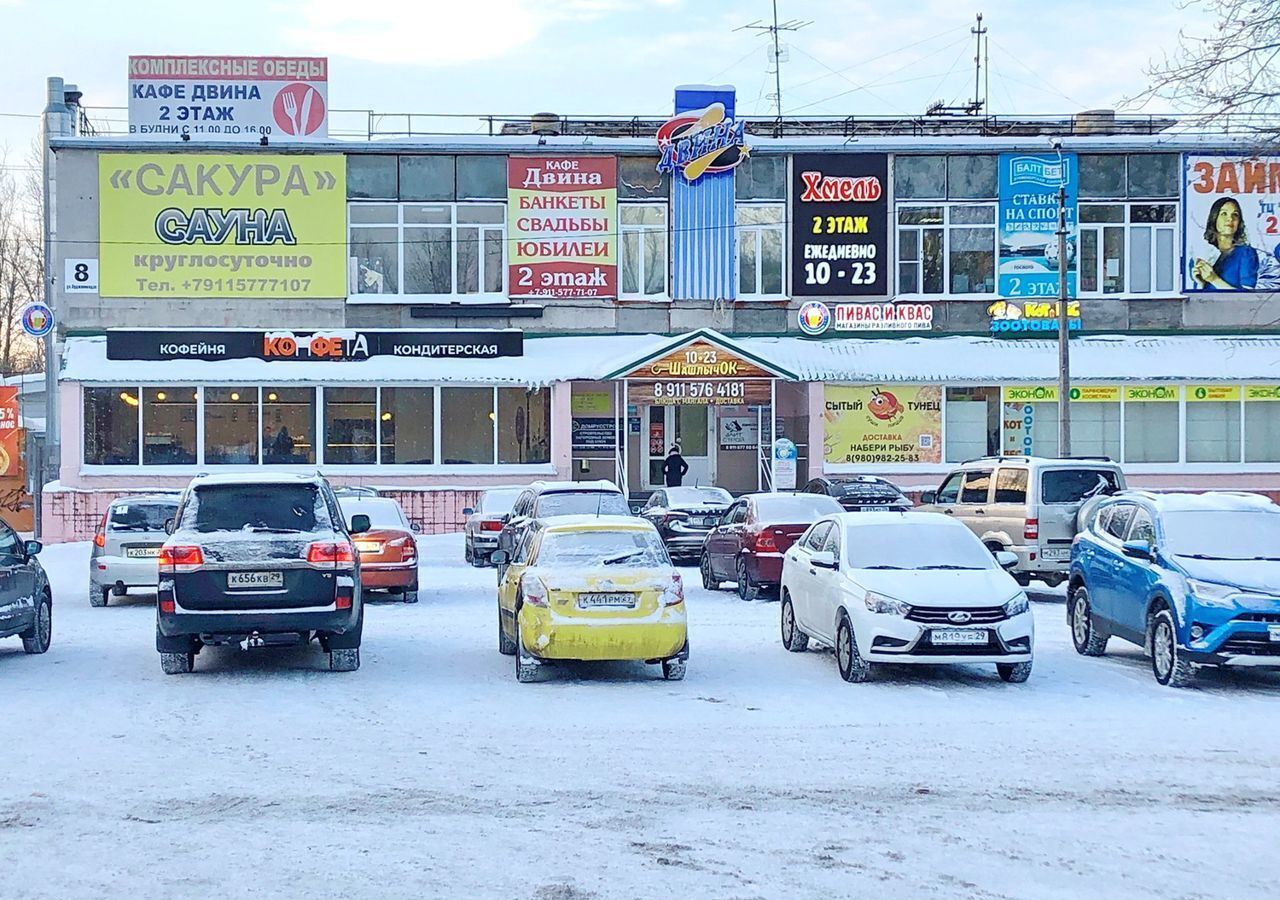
(1231, 218)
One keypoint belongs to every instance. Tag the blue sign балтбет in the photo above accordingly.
(1028, 225)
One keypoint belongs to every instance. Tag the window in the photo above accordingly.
(959, 177)
(373, 177)
(973, 177)
(441, 249)
(350, 426)
(1074, 485)
(639, 179)
(920, 177)
(426, 178)
(1137, 175)
(761, 232)
(1151, 432)
(947, 249)
(233, 507)
(1213, 431)
(169, 426)
(761, 178)
(468, 439)
(950, 490)
(524, 425)
(1011, 485)
(1261, 431)
(977, 484)
(643, 247)
(1118, 522)
(1142, 529)
(111, 426)
(288, 426)
(817, 535)
(9, 545)
(972, 423)
(407, 426)
(482, 178)
(1127, 248)
(231, 426)
(1095, 429)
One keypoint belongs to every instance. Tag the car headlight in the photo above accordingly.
(1017, 605)
(879, 603)
(1213, 594)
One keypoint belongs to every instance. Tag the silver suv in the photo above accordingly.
(126, 545)
(1027, 505)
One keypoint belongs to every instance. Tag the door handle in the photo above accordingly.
(813, 571)
(979, 512)
(948, 512)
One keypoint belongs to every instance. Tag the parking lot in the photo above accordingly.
(431, 772)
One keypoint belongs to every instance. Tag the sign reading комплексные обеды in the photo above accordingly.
(222, 225)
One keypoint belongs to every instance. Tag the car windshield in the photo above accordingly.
(696, 496)
(381, 513)
(794, 508)
(913, 545)
(1223, 534)
(582, 503)
(629, 549)
(1074, 485)
(498, 503)
(865, 490)
(146, 516)
(272, 508)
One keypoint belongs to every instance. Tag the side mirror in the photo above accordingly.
(168, 526)
(1137, 550)
(415, 528)
(824, 559)
(1006, 559)
(359, 523)
(33, 548)
(928, 497)
(468, 511)
(499, 557)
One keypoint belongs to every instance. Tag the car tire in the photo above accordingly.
(526, 666)
(793, 638)
(1166, 663)
(673, 669)
(37, 638)
(410, 594)
(747, 589)
(1088, 639)
(99, 596)
(468, 554)
(1014, 673)
(177, 663)
(344, 660)
(709, 580)
(853, 668)
(506, 646)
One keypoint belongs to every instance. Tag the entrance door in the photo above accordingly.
(689, 426)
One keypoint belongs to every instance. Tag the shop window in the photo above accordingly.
(1213, 431)
(643, 246)
(231, 426)
(920, 177)
(761, 235)
(761, 178)
(947, 249)
(1261, 432)
(426, 178)
(1127, 248)
(437, 249)
(524, 425)
(639, 179)
(972, 423)
(288, 426)
(374, 248)
(349, 426)
(407, 426)
(1151, 432)
(467, 420)
(111, 426)
(1095, 429)
(168, 426)
(372, 177)
(482, 177)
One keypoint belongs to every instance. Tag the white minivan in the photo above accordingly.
(904, 587)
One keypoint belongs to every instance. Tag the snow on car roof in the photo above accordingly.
(597, 523)
(255, 478)
(136, 499)
(1209, 501)
(879, 519)
(561, 487)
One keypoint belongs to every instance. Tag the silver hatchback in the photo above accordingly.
(126, 545)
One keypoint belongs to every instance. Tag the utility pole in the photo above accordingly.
(978, 32)
(773, 31)
(1064, 324)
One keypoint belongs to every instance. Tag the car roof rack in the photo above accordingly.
(1026, 456)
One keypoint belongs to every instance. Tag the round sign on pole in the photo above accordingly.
(37, 319)
(784, 465)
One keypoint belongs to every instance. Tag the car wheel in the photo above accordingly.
(673, 669)
(99, 597)
(526, 665)
(709, 581)
(853, 668)
(177, 663)
(468, 554)
(410, 594)
(506, 646)
(747, 589)
(1088, 639)
(344, 660)
(36, 639)
(1015, 673)
(793, 638)
(1166, 662)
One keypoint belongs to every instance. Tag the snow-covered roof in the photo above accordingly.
(1100, 358)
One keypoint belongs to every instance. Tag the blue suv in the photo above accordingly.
(1194, 579)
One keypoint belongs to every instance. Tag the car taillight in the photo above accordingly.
(675, 596)
(1031, 531)
(100, 539)
(765, 542)
(490, 525)
(409, 551)
(670, 517)
(330, 553)
(174, 558)
(534, 590)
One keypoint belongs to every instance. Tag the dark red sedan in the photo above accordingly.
(748, 544)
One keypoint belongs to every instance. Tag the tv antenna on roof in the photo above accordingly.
(979, 102)
(778, 54)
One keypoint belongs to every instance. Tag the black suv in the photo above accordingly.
(861, 493)
(258, 560)
(26, 602)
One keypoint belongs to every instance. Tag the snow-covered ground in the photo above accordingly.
(432, 773)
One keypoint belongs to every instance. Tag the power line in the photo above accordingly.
(878, 81)
(862, 63)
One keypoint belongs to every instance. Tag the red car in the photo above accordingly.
(748, 544)
(388, 550)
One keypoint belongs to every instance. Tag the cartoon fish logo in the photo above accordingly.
(884, 405)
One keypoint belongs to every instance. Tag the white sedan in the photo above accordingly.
(904, 588)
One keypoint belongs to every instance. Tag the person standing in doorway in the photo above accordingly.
(674, 468)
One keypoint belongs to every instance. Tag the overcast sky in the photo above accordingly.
(603, 56)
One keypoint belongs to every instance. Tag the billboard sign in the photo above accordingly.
(1232, 222)
(840, 227)
(222, 225)
(1028, 226)
(562, 224)
(333, 345)
(10, 434)
(882, 424)
(229, 98)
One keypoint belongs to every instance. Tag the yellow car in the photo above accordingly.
(591, 588)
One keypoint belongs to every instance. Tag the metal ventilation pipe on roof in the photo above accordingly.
(544, 123)
(1094, 121)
